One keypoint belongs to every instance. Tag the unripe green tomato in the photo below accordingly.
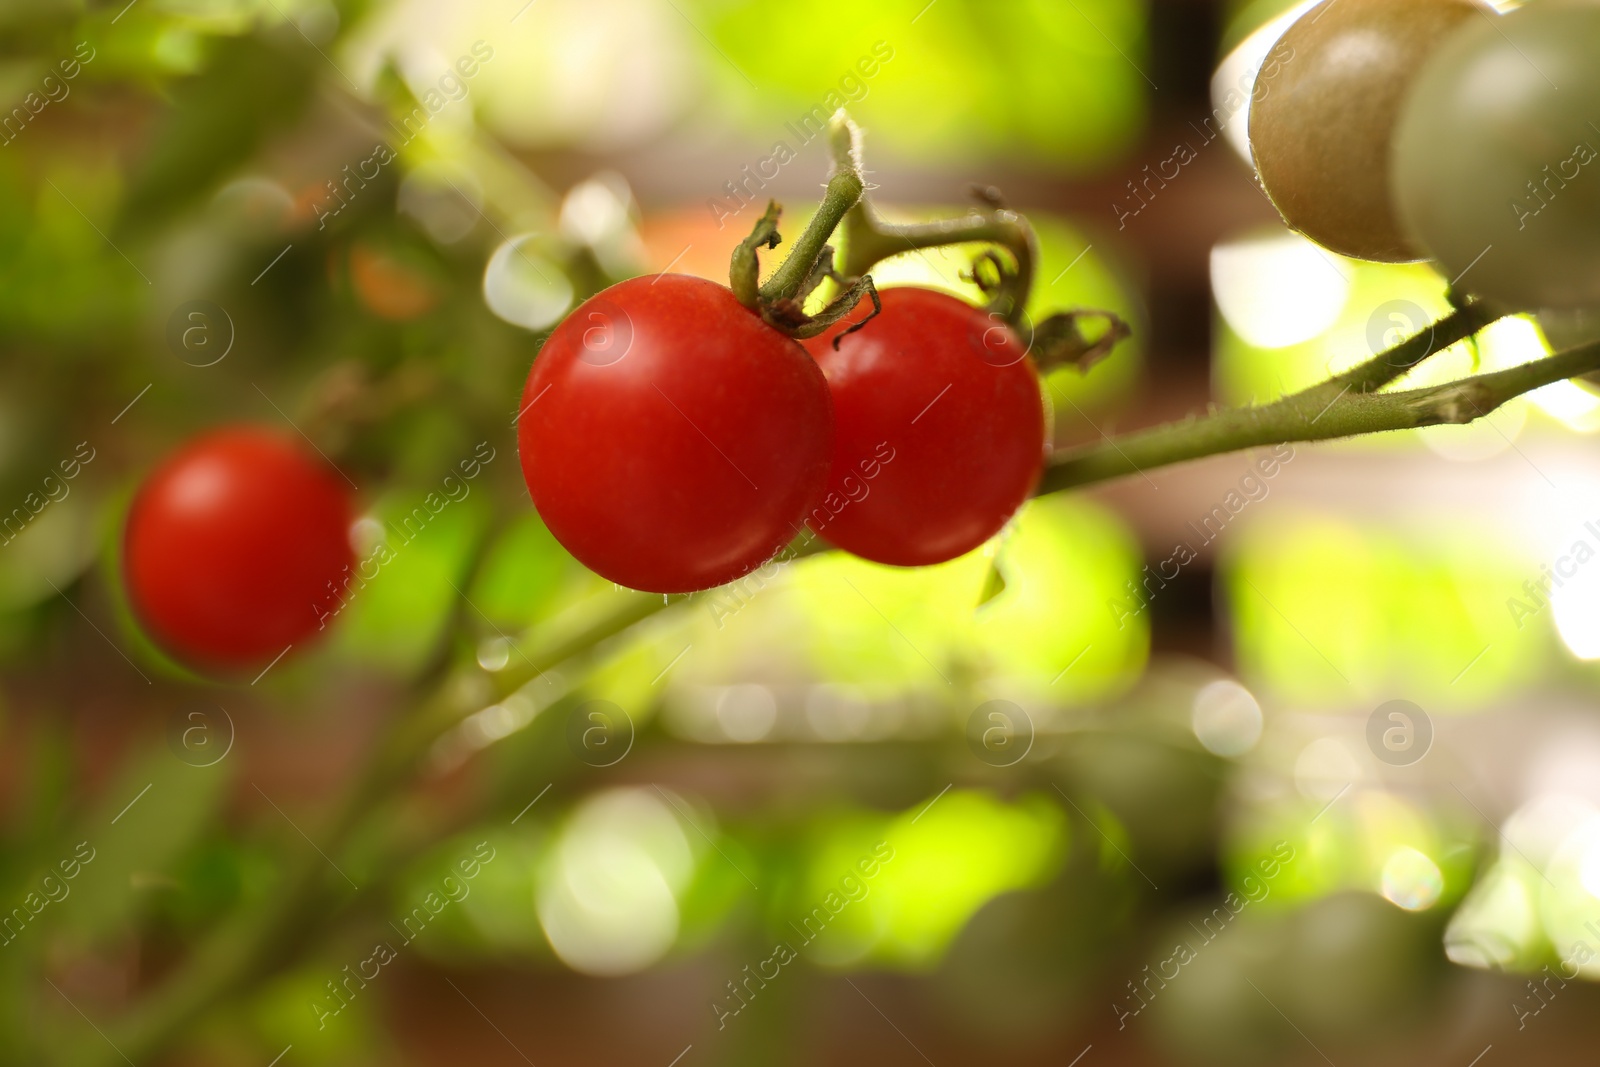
(1320, 128)
(1496, 167)
(1568, 329)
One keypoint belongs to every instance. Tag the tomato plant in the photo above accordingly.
(674, 434)
(670, 438)
(941, 429)
(235, 546)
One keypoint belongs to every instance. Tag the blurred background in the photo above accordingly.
(1280, 758)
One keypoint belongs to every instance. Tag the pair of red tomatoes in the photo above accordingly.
(673, 441)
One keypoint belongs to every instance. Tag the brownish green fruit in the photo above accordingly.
(1497, 160)
(1320, 129)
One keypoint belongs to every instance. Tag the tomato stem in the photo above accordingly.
(744, 270)
(1346, 405)
(844, 190)
(869, 240)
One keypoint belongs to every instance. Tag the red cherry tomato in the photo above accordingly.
(940, 430)
(234, 547)
(671, 440)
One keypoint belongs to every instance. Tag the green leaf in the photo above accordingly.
(155, 809)
(994, 583)
(524, 572)
(218, 119)
(397, 616)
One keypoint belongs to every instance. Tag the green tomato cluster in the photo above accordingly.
(1441, 130)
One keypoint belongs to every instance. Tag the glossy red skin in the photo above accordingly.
(962, 462)
(231, 544)
(685, 457)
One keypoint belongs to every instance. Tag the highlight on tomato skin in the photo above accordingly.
(671, 440)
(940, 429)
(235, 547)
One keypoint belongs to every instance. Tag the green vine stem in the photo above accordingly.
(1463, 322)
(744, 269)
(1346, 405)
(869, 240)
(235, 956)
(781, 302)
(845, 186)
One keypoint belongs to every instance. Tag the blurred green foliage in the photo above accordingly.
(1375, 610)
(1033, 80)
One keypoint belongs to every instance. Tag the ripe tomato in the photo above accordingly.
(234, 547)
(940, 430)
(1497, 157)
(671, 440)
(1320, 128)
